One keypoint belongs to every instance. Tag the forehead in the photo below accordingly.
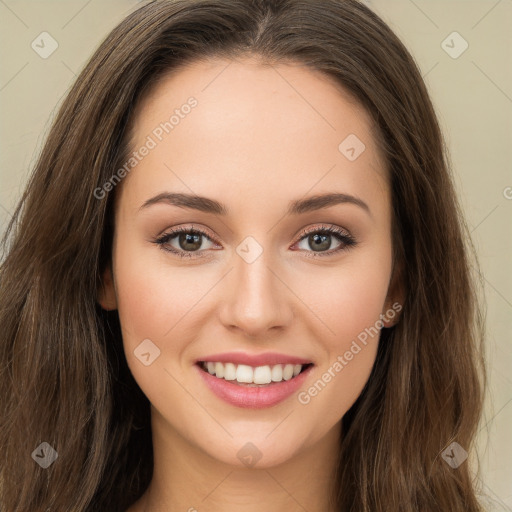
(258, 127)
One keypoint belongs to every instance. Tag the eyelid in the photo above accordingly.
(187, 228)
(331, 228)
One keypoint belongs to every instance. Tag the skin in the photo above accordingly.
(260, 137)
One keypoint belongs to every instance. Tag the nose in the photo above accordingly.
(258, 300)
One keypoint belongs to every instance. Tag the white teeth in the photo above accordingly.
(288, 372)
(246, 374)
(277, 373)
(229, 371)
(262, 375)
(219, 370)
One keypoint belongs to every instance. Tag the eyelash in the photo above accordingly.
(347, 240)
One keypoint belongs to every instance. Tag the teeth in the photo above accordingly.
(229, 371)
(262, 375)
(245, 374)
(288, 372)
(219, 370)
(277, 373)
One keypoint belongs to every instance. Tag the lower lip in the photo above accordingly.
(253, 397)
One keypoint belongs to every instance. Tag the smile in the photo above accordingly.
(253, 387)
(252, 376)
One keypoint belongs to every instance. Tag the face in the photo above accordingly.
(259, 269)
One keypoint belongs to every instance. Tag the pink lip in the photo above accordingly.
(253, 397)
(264, 359)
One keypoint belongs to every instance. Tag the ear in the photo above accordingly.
(395, 298)
(106, 293)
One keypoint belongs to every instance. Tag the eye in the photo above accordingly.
(188, 240)
(321, 239)
(185, 241)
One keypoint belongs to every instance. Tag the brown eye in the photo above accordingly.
(184, 242)
(189, 241)
(319, 241)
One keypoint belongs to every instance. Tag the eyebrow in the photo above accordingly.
(296, 207)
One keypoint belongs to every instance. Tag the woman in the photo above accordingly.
(239, 277)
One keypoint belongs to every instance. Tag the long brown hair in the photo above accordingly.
(64, 376)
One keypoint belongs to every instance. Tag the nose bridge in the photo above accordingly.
(257, 299)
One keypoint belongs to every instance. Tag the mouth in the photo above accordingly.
(250, 376)
(254, 387)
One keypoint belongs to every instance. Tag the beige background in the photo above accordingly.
(472, 94)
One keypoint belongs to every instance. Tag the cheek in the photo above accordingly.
(337, 384)
(349, 303)
(155, 302)
(349, 297)
(152, 296)
(352, 304)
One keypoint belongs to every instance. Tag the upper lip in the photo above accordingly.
(263, 359)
